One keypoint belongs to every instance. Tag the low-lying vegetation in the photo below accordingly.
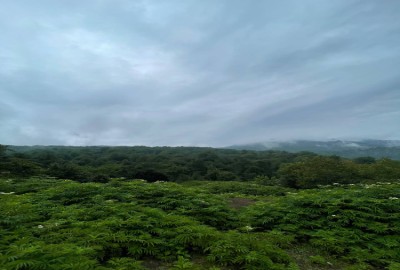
(132, 224)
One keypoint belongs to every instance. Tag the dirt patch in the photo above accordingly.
(238, 203)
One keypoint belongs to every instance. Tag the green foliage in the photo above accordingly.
(62, 224)
(247, 188)
(394, 266)
(317, 259)
(315, 171)
(182, 264)
(3, 157)
(67, 171)
(358, 223)
(125, 264)
(181, 164)
(364, 160)
(250, 251)
(21, 167)
(266, 181)
(155, 163)
(383, 170)
(348, 212)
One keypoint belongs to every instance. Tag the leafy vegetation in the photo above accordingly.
(150, 163)
(127, 224)
(181, 164)
(295, 211)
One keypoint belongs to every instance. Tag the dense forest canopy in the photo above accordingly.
(177, 164)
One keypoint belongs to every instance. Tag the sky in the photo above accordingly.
(200, 73)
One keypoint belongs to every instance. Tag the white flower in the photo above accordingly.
(333, 215)
(40, 226)
(393, 198)
(248, 228)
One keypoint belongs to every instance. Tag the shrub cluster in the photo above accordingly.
(132, 224)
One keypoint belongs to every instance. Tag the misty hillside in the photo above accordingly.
(348, 149)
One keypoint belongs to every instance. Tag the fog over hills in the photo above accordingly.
(344, 148)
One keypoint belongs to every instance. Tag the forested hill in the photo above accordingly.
(348, 149)
(178, 164)
(154, 163)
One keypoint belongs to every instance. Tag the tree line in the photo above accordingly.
(178, 164)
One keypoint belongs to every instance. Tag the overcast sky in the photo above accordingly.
(204, 73)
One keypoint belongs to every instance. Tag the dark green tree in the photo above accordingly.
(319, 171)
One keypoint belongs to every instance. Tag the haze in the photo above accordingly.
(215, 73)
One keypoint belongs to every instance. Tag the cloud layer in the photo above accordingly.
(216, 73)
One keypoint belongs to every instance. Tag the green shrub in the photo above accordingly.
(317, 259)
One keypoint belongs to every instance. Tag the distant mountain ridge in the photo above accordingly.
(344, 148)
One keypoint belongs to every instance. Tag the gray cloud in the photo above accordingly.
(197, 72)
